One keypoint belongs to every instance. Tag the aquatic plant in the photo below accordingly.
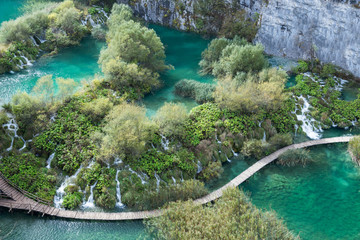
(354, 149)
(294, 157)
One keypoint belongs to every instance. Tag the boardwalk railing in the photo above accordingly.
(25, 193)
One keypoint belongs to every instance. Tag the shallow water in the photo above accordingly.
(9, 9)
(183, 51)
(21, 226)
(78, 63)
(320, 201)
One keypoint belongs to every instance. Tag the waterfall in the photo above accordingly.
(308, 124)
(33, 41)
(11, 127)
(52, 118)
(118, 161)
(118, 192)
(174, 180)
(182, 178)
(157, 181)
(51, 157)
(164, 142)
(199, 167)
(264, 137)
(60, 192)
(235, 154)
(90, 202)
(217, 140)
(227, 158)
(141, 177)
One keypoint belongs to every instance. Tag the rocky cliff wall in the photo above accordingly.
(298, 29)
(301, 28)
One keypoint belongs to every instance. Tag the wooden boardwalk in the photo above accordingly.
(21, 200)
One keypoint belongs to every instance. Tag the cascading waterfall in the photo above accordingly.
(60, 192)
(157, 181)
(51, 157)
(199, 167)
(118, 161)
(234, 153)
(137, 174)
(182, 178)
(12, 127)
(34, 41)
(118, 192)
(227, 158)
(164, 142)
(174, 180)
(90, 202)
(308, 122)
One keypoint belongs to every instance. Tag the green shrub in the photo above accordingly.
(294, 157)
(238, 217)
(354, 149)
(200, 92)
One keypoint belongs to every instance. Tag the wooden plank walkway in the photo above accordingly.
(20, 201)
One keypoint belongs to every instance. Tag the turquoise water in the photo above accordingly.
(320, 201)
(9, 9)
(183, 51)
(78, 63)
(21, 226)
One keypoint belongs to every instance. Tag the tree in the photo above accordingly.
(212, 54)
(171, 119)
(44, 88)
(67, 87)
(134, 43)
(236, 59)
(252, 92)
(129, 75)
(231, 217)
(126, 132)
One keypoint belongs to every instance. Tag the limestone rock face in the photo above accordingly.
(178, 14)
(329, 30)
(298, 29)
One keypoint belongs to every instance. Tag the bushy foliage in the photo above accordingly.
(201, 123)
(69, 135)
(294, 157)
(200, 92)
(238, 217)
(354, 149)
(23, 27)
(236, 59)
(97, 109)
(152, 199)
(65, 25)
(26, 171)
(212, 54)
(154, 161)
(126, 132)
(129, 76)
(262, 91)
(171, 120)
(134, 54)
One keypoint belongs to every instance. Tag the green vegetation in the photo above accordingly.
(238, 217)
(45, 26)
(27, 171)
(295, 157)
(354, 149)
(200, 92)
(134, 54)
